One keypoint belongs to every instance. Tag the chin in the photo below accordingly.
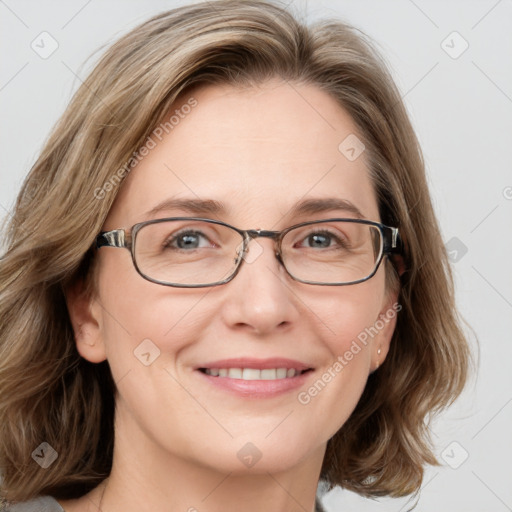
(255, 457)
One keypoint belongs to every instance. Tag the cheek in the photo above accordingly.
(144, 322)
(348, 313)
(145, 328)
(346, 317)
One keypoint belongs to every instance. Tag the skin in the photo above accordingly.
(177, 438)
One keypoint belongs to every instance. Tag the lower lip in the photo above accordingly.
(257, 388)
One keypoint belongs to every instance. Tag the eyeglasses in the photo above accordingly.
(192, 252)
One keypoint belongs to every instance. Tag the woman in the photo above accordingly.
(224, 281)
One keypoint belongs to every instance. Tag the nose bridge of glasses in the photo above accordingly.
(262, 233)
(255, 233)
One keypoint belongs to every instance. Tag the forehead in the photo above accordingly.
(256, 151)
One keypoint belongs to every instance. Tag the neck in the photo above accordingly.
(144, 476)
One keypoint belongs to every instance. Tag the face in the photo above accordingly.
(258, 152)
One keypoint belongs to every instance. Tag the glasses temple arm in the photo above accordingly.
(395, 248)
(115, 238)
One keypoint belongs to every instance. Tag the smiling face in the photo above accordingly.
(257, 153)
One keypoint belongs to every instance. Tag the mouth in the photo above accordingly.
(255, 383)
(250, 377)
(255, 373)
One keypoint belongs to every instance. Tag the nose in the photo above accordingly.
(260, 298)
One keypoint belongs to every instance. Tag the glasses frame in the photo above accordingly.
(121, 238)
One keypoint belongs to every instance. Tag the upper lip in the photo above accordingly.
(245, 362)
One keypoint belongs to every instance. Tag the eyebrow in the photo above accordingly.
(212, 207)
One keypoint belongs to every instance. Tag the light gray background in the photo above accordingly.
(462, 111)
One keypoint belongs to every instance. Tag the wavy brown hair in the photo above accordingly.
(49, 393)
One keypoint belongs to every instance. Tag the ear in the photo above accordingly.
(386, 323)
(398, 261)
(85, 315)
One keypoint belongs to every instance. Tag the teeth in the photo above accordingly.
(253, 373)
(268, 374)
(235, 373)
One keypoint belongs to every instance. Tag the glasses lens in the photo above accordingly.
(332, 252)
(187, 252)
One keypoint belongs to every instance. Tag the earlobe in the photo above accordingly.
(387, 323)
(379, 350)
(85, 316)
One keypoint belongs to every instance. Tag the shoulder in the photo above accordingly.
(39, 504)
(318, 505)
(321, 490)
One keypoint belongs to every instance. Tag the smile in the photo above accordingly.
(253, 373)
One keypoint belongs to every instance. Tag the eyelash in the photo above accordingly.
(169, 241)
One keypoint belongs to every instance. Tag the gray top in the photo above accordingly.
(49, 504)
(40, 504)
(318, 505)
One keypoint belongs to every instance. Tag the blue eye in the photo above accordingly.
(323, 239)
(319, 240)
(186, 240)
